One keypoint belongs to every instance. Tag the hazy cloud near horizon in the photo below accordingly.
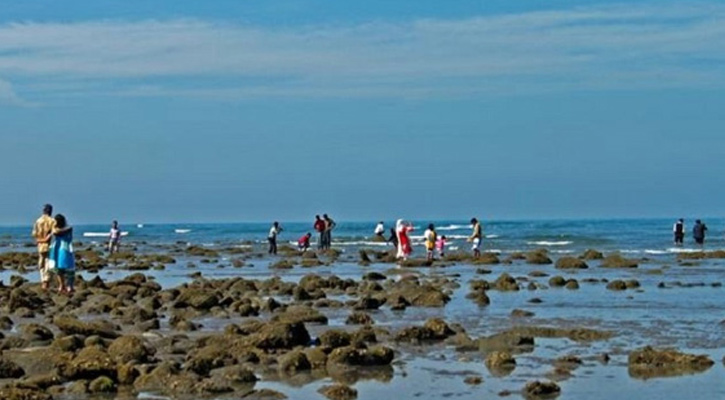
(585, 48)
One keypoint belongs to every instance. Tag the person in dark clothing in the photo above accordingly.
(272, 237)
(393, 239)
(679, 230)
(698, 232)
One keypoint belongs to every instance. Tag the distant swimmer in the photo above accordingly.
(380, 229)
(303, 243)
(430, 236)
(679, 231)
(114, 241)
(42, 231)
(274, 231)
(476, 237)
(402, 229)
(698, 232)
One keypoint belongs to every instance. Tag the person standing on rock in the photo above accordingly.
(430, 236)
(476, 237)
(114, 242)
(402, 229)
(42, 231)
(329, 227)
(320, 228)
(61, 257)
(380, 230)
(698, 232)
(679, 231)
(272, 237)
(393, 239)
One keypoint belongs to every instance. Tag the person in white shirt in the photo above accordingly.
(272, 237)
(380, 229)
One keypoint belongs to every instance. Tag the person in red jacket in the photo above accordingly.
(320, 228)
(303, 243)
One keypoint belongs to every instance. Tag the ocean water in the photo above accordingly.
(638, 237)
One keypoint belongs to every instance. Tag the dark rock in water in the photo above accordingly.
(72, 326)
(572, 284)
(338, 392)
(200, 299)
(353, 356)
(68, 343)
(264, 394)
(517, 313)
(6, 323)
(571, 263)
(648, 363)
(90, 363)
(632, 284)
(281, 335)
(591, 255)
(617, 261)
(359, 318)
(500, 363)
(479, 297)
(374, 276)
(129, 348)
(507, 342)
(293, 362)
(335, 338)
(473, 380)
(368, 303)
(36, 332)
(486, 259)
(102, 384)
(541, 390)
(505, 283)
(300, 313)
(538, 257)
(557, 281)
(235, 374)
(23, 393)
(617, 285)
(10, 370)
(575, 334)
(364, 258)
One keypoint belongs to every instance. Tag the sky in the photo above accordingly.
(231, 111)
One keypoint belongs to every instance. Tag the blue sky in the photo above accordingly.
(250, 111)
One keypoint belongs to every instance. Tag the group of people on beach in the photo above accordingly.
(323, 225)
(698, 232)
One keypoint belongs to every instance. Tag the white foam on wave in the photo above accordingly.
(683, 250)
(630, 251)
(182, 231)
(101, 234)
(562, 251)
(139, 225)
(548, 243)
(361, 243)
(452, 227)
(492, 236)
(655, 252)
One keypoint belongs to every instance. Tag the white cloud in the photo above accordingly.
(9, 97)
(612, 47)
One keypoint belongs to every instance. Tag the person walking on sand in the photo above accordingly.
(476, 237)
(430, 236)
(698, 232)
(61, 257)
(380, 230)
(272, 237)
(320, 228)
(402, 229)
(42, 231)
(114, 242)
(679, 231)
(329, 227)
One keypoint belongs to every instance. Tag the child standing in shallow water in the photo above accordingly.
(61, 254)
(441, 246)
(115, 238)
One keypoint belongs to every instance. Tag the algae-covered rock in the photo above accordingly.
(359, 318)
(335, 338)
(9, 369)
(592, 254)
(571, 263)
(102, 384)
(617, 261)
(648, 363)
(541, 390)
(538, 257)
(72, 326)
(293, 362)
(338, 392)
(129, 348)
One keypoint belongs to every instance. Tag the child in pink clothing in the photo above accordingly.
(441, 245)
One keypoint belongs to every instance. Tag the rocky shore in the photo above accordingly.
(216, 337)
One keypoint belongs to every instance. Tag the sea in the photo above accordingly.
(651, 238)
